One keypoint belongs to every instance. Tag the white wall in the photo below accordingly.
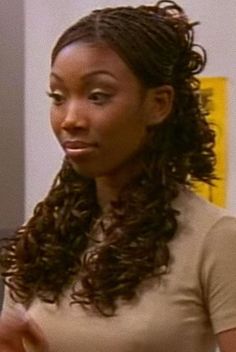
(46, 19)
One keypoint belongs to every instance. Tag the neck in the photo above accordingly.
(107, 191)
(109, 186)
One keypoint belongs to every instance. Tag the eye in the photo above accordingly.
(57, 97)
(99, 97)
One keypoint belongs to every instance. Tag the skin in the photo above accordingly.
(16, 327)
(227, 340)
(98, 100)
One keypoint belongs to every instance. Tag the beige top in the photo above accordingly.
(182, 313)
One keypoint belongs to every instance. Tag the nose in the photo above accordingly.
(76, 117)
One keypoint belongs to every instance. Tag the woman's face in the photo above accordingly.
(99, 109)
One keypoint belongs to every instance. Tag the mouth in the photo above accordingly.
(76, 149)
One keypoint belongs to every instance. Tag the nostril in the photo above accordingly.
(76, 115)
(74, 122)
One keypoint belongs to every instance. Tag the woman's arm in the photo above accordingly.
(227, 340)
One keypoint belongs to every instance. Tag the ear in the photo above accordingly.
(160, 103)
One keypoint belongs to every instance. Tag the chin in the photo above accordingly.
(86, 171)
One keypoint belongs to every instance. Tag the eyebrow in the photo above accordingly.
(87, 75)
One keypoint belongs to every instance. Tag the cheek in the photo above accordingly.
(55, 121)
(122, 119)
(127, 137)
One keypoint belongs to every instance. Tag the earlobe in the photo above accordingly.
(161, 103)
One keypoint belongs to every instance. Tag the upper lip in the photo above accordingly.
(77, 144)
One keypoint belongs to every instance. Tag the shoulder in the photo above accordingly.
(212, 223)
(209, 236)
(203, 230)
(218, 276)
(200, 214)
(219, 250)
(212, 242)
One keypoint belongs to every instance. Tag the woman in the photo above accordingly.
(121, 255)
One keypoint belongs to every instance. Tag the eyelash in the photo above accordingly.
(56, 97)
(103, 97)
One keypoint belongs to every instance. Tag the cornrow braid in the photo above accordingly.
(157, 44)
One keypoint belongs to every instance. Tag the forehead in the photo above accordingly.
(83, 58)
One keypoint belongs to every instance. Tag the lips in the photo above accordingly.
(77, 149)
(77, 145)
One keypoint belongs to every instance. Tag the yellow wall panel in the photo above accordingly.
(214, 98)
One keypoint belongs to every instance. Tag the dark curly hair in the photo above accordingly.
(57, 247)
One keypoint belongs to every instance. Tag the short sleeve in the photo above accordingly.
(218, 274)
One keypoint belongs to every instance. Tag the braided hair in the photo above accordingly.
(52, 252)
